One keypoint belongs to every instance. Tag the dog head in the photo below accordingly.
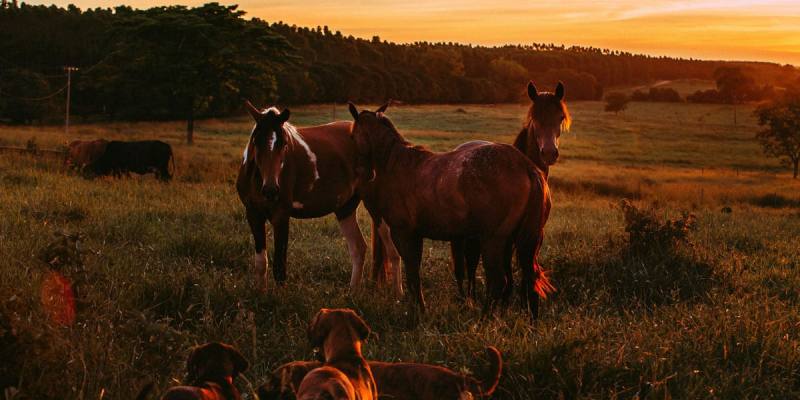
(214, 361)
(328, 320)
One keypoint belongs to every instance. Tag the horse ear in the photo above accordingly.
(284, 115)
(384, 107)
(254, 112)
(532, 92)
(560, 91)
(353, 110)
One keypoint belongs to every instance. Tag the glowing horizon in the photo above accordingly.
(738, 30)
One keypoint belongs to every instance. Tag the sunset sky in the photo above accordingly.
(767, 30)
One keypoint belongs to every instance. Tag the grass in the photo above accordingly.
(161, 267)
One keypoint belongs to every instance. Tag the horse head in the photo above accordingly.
(364, 123)
(548, 116)
(268, 147)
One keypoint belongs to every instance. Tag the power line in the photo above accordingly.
(57, 92)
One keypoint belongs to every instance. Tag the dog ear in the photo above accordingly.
(240, 363)
(193, 364)
(317, 329)
(361, 327)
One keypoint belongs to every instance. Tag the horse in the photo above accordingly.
(547, 117)
(491, 192)
(290, 172)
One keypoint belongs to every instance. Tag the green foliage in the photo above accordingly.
(192, 62)
(735, 85)
(780, 137)
(664, 95)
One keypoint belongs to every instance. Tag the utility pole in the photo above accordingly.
(69, 90)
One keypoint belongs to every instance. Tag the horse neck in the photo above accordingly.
(521, 143)
(391, 147)
(302, 160)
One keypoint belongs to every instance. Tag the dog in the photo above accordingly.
(210, 371)
(344, 374)
(396, 381)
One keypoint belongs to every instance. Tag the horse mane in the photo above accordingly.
(396, 134)
(565, 124)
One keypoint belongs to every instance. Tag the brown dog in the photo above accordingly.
(396, 381)
(210, 371)
(345, 374)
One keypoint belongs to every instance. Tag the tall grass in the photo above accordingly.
(159, 267)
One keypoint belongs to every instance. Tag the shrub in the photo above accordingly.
(616, 102)
(649, 232)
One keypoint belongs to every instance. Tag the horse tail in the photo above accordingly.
(488, 384)
(531, 233)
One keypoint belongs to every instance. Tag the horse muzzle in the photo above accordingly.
(270, 192)
(549, 156)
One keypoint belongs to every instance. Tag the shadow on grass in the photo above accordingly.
(605, 189)
(775, 201)
(624, 281)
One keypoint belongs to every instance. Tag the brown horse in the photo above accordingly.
(547, 117)
(491, 192)
(290, 172)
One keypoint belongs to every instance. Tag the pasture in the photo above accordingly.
(161, 267)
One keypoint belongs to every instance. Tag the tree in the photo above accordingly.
(734, 85)
(780, 137)
(616, 102)
(178, 61)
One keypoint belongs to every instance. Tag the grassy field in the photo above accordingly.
(165, 266)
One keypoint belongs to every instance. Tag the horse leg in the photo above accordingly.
(280, 228)
(392, 257)
(509, 288)
(493, 252)
(472, 254)
(356, 246)
(409, 246)
(457, 254)
(257, 223)
(378, 253)
(526, 259)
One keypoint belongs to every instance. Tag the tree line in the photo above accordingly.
(179, 62)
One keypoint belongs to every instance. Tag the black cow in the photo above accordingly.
(140, 157)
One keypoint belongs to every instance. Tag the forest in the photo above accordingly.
(176, 62)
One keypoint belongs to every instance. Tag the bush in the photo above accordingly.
(663, 95)
(649, 232)
(616, 102)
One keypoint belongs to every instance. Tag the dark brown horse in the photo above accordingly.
(491, 192)
(290, 172)
(547, 117)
